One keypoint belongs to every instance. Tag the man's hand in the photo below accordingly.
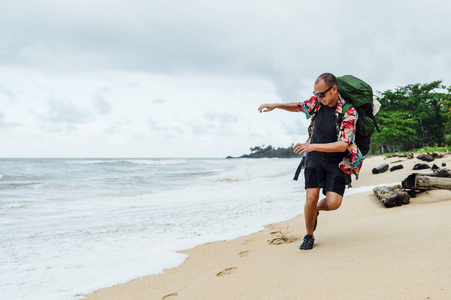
(293, 106)
(302, 148)
(267, 107)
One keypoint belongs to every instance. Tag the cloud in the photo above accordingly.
(111, 130)
(4, 124)
(214, 62)
(172, 130)
(154, 126)
(159, 101)
(284, 43)
(5, 91)
(198, 128)
(222, 118)
(67, 112)
(296, 129)
(101, 105)
(214, 123)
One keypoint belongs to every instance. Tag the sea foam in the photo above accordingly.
(88, 224)
(70, 227)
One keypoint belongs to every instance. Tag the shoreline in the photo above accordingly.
(363, 250)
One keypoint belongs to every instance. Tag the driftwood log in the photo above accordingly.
(413, 184)
(392, 196)
(380, 169)
(440, 179)
(426, 157)
(408, 155)
(421, 166)
(431, 156)
(437, 155)
(394, 168)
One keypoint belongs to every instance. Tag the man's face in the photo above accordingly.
(329, 98)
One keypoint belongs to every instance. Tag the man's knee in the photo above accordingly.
(333, 202)
(311, 199)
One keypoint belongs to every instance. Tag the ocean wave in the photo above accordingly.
(32, 185)
(89, 162)
(14, 206)
(1, 176)
(160, 162)
(158, 210)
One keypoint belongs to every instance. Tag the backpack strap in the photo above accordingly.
(300, 167)
(347, 106)
(375, 123)
(369, 107)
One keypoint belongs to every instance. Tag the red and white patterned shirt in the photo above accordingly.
(352, 163)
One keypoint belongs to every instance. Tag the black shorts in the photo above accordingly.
(327, 176)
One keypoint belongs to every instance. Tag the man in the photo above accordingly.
(332, 152)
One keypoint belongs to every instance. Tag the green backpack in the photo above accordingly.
(359, 94)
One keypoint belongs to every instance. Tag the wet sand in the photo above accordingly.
(362, 251)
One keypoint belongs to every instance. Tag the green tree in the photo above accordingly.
(397, 129)
(446, 103)
(412, 116)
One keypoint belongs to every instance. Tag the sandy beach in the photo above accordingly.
(362, 251)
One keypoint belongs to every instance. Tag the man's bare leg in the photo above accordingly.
(310, 209)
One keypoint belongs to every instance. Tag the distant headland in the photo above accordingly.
(269, 151)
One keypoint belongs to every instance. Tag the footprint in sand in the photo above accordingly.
(248, 241)
(281, 238)
(226, 271)
(170, 296)
(243, 253)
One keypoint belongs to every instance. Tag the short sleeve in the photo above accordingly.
(308, 106)
(347, 127)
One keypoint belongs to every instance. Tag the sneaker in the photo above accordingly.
(307, 244)
(316, 221)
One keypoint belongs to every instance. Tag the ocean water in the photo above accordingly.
(71, 226)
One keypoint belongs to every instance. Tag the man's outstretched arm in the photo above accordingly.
(339, 146)
(293, 106)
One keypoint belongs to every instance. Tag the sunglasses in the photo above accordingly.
(323, 94)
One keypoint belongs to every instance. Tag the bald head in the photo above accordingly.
(328, 78)
(326, 89)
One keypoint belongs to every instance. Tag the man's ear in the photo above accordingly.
(335, 88)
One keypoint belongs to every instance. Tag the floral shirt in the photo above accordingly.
(352, 163)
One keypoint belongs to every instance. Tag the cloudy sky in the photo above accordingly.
(146, 78)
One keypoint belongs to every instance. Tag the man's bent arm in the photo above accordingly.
(339, 146)
(293, 106)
